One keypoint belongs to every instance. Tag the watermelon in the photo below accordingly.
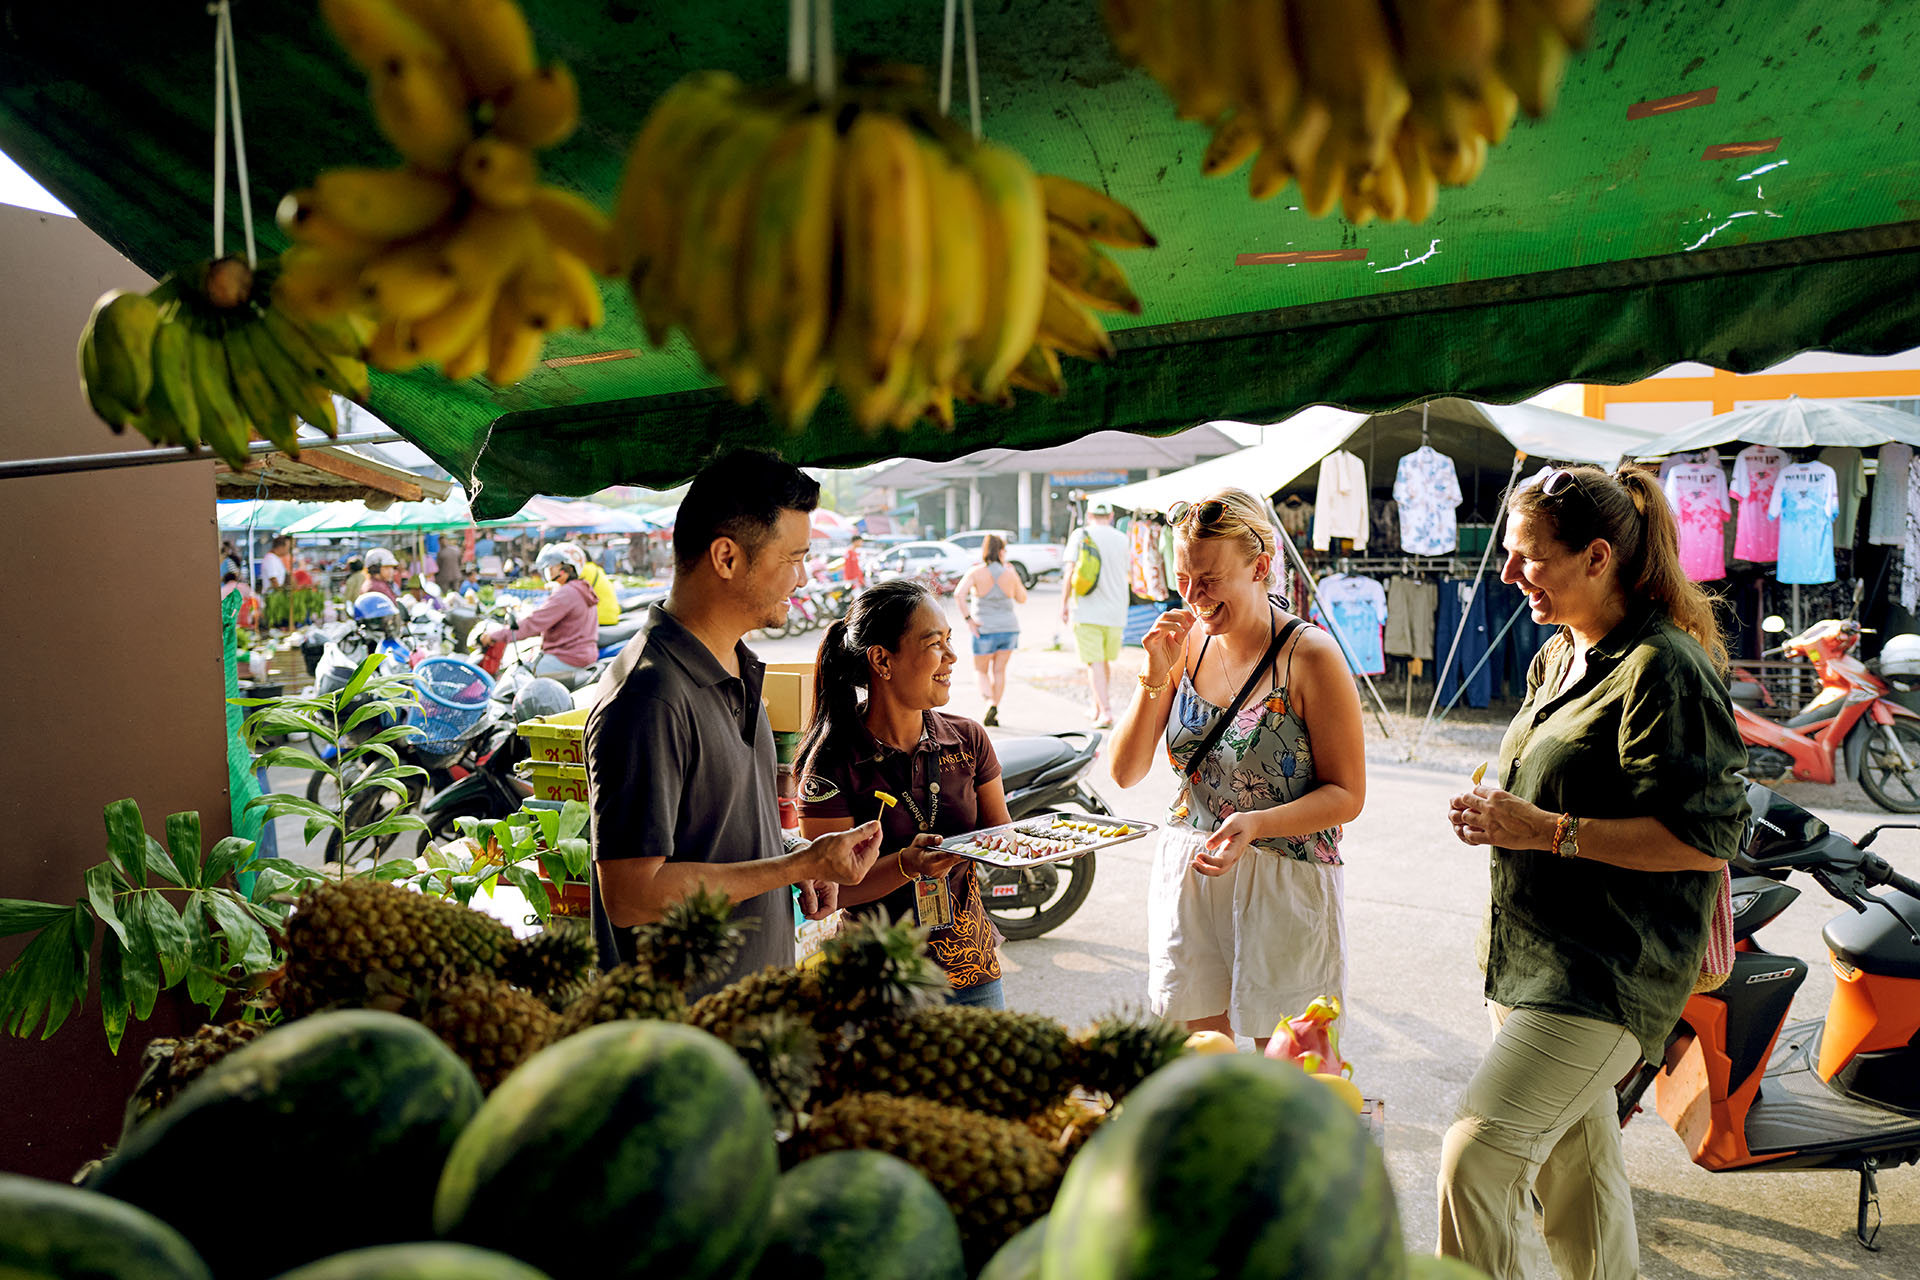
(860, 1213)
(349, 1115)
(431, 1260)
(631, 1149)
(1424, 1266)
(56, 1231)
(1227, 1166)
(1019, 1258)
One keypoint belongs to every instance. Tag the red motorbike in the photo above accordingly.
(1853, 728)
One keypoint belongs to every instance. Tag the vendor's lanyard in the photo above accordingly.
(932, 902)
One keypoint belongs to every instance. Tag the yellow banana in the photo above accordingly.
(1322, 180)
(1423, 188)
(1270, 173)
(316, 284)
(172, 408)
(469, 363)
(874, 400)
(498, 172)
(1305, 133)
(390, 349)
(1272, 73)
(375, 33)
(409, 281)
(589, 309)
(493, 45)
(254, 393)
(1356, 205)
(1016, 265)
(1070, 328)
(1532, 56)
(222, 424)
(489, 245)
(422, 109)
(383, 204)
(1446, 45)
(787, 290)
(513, 347)
(1039, 370)
(575, 224)
(537, 291)
(958, 301)
(300, 216)
(449, 332)
(1182, 56)
(709, 273)
(1234, 139)
(540, 111)
(1088, 274)
(1573, 19)
(1126, 24)
(1348, 61)
(116, 355)
(1094, 214)
(886, 227)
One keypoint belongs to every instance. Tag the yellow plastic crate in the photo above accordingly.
(557, 739)
(557, 781)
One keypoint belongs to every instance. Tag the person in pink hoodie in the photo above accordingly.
(568, 624)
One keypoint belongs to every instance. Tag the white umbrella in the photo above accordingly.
(1794, 423)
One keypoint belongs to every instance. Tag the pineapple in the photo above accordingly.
(1120, 1051)
(347, 938)
(630, 991)
(1005, 1064)
(169, 1065)
(870, 970)
(694, 942)
(491, 1026)
(995, 1174)
(1066, 1126)
(783, 1052)
(556, 964)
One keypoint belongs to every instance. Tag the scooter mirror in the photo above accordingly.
(1773, 624)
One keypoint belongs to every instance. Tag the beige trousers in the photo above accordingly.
(1538, 1121)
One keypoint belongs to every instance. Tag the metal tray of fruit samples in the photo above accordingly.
(1048, 836)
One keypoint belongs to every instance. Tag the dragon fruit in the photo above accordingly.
(1312, 1041)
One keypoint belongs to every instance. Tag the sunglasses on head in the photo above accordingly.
(1203, 513)
(1557, 481)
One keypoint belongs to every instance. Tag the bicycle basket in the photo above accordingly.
(453, 700)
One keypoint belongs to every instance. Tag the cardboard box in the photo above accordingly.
(788, 693)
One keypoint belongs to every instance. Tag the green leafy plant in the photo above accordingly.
(355, 727)
(516, 849)
(213, 942)
(290, 606)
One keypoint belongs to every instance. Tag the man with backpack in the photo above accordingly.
(1094, 599)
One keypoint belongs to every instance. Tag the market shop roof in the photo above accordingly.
(325, 473)
(1773, 212)
(1102, 451)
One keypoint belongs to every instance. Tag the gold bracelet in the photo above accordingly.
(1154, 690)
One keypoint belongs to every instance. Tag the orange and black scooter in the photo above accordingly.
(1745, 1089)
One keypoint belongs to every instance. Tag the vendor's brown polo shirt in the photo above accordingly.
(841, 779)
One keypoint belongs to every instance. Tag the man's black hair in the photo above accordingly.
(355, 564)
(740, 496)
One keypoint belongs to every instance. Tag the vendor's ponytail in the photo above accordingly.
(879, 616)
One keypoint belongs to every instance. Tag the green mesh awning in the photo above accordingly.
(1597, 247)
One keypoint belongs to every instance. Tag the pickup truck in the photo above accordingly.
(1031, 560)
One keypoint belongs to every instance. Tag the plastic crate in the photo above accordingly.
(556, 781)
(557, 739)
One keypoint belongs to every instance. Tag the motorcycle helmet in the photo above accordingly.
(542, 697)
(574, 552)
(381, 556)
(1900, 660)
(371, 607)
(551, 557)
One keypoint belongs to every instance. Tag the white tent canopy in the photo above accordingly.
(1312, 434)
(1794, 423)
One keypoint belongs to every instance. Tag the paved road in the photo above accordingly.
(1417, 1026)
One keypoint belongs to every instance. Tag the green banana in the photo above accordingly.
(116, 355)
(222, 424)
(255, 393)
(341, 374)
(294, 390)
(173, 411)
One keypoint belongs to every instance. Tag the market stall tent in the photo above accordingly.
(1794, 423)
(1723, 182)
(351, 518)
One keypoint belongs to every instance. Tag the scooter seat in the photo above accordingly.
(1871, 941)
(1024, 759)
(1746, 693)
(1814, 715)
(622, 631)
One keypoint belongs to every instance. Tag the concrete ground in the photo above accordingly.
(1416, 1025)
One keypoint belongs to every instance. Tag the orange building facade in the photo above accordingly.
(1687, 393)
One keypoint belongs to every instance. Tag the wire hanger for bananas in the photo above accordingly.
(226, 83)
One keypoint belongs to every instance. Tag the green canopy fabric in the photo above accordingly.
(339, 519)
(1599, 246)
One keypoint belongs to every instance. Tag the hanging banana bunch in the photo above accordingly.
(207, 358)
(1371, 105)
(462, 257)
(856, 240)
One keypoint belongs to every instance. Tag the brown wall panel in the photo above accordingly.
(111, 633)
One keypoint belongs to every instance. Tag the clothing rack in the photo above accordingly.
(1407, 565)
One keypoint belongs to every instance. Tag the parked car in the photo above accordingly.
(1031, 560)
(938, 562)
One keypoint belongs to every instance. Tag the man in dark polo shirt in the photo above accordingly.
(680, 764)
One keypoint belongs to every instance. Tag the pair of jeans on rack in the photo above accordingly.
(1457, 598)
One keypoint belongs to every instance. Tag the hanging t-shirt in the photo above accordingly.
(1427, 487)
(1340, 503)
(1698, 494)
(1910, 560)
(1850, 474)
(1887, 525)
(1359, 608)
(1668, 463)
(1757, 536)
(1805, 501)
(1146, 576)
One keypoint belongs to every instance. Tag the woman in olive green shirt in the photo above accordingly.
(1611, 816)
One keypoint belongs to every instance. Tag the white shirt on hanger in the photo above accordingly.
(1340, 503)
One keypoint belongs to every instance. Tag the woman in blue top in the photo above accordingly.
(1244, 915)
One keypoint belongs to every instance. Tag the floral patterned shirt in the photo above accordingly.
(1427, 487)
(1264, 759)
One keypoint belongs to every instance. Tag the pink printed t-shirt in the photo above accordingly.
(1757, 536)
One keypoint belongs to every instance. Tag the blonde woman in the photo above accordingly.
(1244, 916)
(986, 597)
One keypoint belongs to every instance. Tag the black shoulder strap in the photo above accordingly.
(1212, 740)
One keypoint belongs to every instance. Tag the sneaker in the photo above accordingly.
(992, 718)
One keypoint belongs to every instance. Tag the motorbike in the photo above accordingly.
(1041, 774)
(1745, 1089)
(491, 788)
(1853, 728)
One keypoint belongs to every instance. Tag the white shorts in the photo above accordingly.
(1258, 944)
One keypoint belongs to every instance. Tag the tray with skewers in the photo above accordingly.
(1049, 836)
